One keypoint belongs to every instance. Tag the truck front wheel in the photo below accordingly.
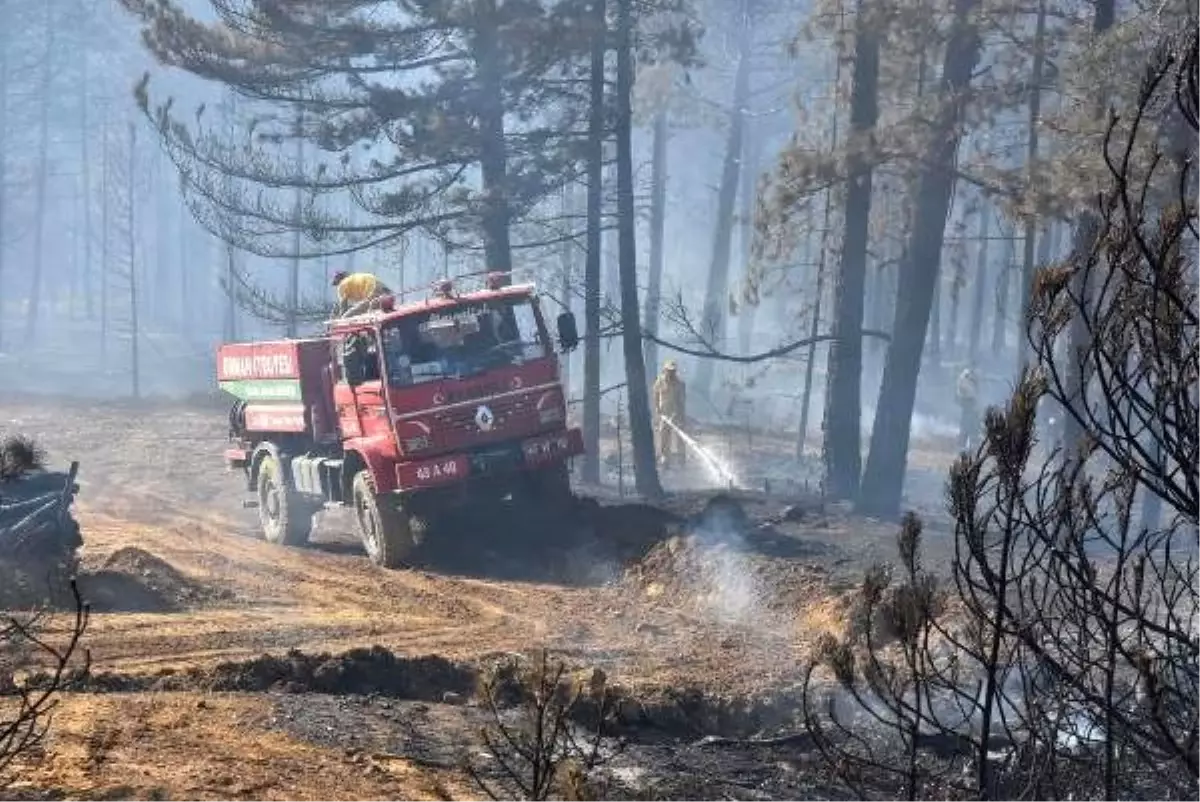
(389, 533)
(285, 515)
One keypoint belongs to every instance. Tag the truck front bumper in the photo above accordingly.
(529, 454)
(236, 458)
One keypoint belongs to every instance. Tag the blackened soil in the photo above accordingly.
(362, 671)
(642, 765)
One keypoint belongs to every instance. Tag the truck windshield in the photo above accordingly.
(461, 341)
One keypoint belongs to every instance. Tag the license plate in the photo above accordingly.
(438, 470)
(432, 472)
(541, 450)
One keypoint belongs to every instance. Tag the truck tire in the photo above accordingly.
(285, 515)
(389, 533)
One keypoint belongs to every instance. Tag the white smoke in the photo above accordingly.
(923, 426)
(928, 426)
(727, 581)
(733, 589)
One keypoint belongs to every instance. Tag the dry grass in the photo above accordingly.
(191, 746)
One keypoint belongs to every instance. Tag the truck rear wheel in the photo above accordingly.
(285, 515)
(389, 533)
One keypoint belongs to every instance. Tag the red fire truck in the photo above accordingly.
(403, 412)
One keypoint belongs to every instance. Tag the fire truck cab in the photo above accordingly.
(403, 412)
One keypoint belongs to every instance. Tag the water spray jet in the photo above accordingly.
(717, 468)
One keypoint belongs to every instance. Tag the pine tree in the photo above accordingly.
(842, 450)
(883, 475)
(644, 464)
(426, 88)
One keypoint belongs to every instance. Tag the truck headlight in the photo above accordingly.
(418, 443)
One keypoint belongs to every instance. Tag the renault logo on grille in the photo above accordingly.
(484, 419)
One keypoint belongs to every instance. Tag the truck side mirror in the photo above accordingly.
(568, 332)
(354, 363)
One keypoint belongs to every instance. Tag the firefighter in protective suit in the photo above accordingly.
(355, 291)
(966, 392)
(670, 395)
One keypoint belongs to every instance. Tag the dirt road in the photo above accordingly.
(179, 578)
(156, 501)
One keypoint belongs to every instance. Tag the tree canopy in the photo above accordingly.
(453, 119)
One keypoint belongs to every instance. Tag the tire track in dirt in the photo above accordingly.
(153, 480)
(293, 598)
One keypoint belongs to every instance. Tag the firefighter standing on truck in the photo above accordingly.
(355, 292)
(966, 392)
(670, 405)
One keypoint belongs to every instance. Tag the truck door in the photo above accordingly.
(362, 409)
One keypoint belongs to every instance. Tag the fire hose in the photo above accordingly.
(709, 460)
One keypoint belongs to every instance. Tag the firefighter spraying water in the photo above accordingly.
(670, 412)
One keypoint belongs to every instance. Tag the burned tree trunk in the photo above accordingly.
(1024, 352)
(843, 397)
(566, 260)
(105, 203)
(293, 296)
(748, 308)
(85, 130)
(658, 217)
(184, 269)
(881, 310)
(352, 257)
(158, 272)
(591, 281)
(981, 282)
(610, 271)
(814, 327)
(493, 149)
(715, 300)
(1000, 310)
(934, 332)
(229, 327)
(644, 465)
(135, 376)
(1086, 231)
(882, 299)
(883, 478)
(43, 177)
(1153, 436)
(956, 284)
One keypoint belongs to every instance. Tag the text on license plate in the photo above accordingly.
(546, 448)
(437, 470)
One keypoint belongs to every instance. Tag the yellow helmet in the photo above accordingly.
(669, 366)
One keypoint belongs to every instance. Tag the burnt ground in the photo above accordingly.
(376, 709)
(652, 766)
(187, 599)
